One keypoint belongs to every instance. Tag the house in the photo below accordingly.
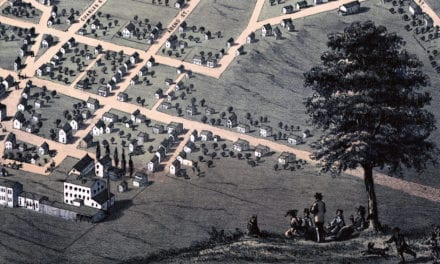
(111, 85)
(301, 4)
(43, 149)
(250, 38)
(19, 120)
(198, 60)
(31, 201)
(71, 43)
(181, 157)
(122, 187)
(96, 24)
(231, 121)
(50, 21)
(151, 62)
(243, 128)
(38, 104)
(92, 103)
(154, 34)
(294, 140)
(132, 146)
(91, 192)
(230, 42)
(350, 8)
(22, 104)
(306, 133)
(241, 145)
(427, 20)
(30, 128)
(158, 94)
(11, 142)
(178, 127)
(128, 123)
(65, 133)
(98, 50)
(265, 131)
(109, 128)
(98, 129)
(143, 71)
(286, 158)
(277, 33)
(83, 166)
(58, 56)
(209, 111)
(17, 64)
(160, 154)
(47, 41)
(171, 42)
(288, 9)
(191, 110)
(86, 114)
(182, 27)
(211, 63)
(134, 58)
(102, 165)
(122, 70)
(206, 135)
(117, 77)
(103, 91)
(86, 142)
(142, 137)
(170, 96)
(183, 44)
(208, 35)
(179, 4)
(165, 144)
(414, 8)
(70, 19)
(153, 164)
(266, 30)
(261, 151)
(285, 22)
(8, 81)
(76, 122)
(3, 112)
(189, 147)
(175, 167)
(110, 117)
(128, 30)
(135, 80)
(9, 191)
(318, 2)
(158, 129)
(114, 173)
(36, 117)
(140, 180)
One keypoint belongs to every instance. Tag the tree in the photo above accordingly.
(130, 167)
(116, 157)
(367, 102)
(123, 162)
(98, 150)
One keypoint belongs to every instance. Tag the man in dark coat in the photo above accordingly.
(252, 227)
(318, 211)
(401, 245)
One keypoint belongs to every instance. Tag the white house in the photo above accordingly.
(129, 30)
(19, 120)
(9, 191)
(206, 135)
(294, 140)
(65, 134)
(140, 180)
(85, 191)
(265, 131)
(3, 112)
(243, 128)
(175, 167)
(83, 166)
(261, 151)
(102, 165)
(98, 129)
(153, 164)
(11, 141)
(350, 8)
(30, 200)
(286, 158)
(266, 30)
(241, 145)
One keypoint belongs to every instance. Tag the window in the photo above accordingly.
(67, 201)
(75, 189)
(70, 187)
(9, 191)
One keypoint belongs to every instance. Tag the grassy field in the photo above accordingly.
(73, 62)
(270, 11)
(120, 17)
(42, 50)
(78, 7)
(51, 111)
(228, 16)
(143, 156)
(33, 14)
(156, 81)
(175, 212)
(9, 47)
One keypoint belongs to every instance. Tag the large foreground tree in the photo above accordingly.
(367, 101)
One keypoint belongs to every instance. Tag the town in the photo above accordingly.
(110, 114)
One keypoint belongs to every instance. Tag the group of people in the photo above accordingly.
(314, 228)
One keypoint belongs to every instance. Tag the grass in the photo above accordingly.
(229, 17)
(30, 18)
(143, 9)
(42, 50)
(157, 81)
(30, 151)
(78, 6)
(269, 11)
(10, 48)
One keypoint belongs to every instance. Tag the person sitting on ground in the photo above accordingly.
(295, 224)
(401, 245)
(359, 222)
(307, 221)
(252, 227)
(337, 223)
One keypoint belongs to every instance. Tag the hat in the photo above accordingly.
(307, 210)
(318, 195)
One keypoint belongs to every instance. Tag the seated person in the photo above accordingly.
(336, 224)
(307, 221)
(359, 222)
(252, 227)
(295, 224)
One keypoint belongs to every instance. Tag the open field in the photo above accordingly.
(121, 141)
(78, 7)
(174, 212)
(28, 13)
(155, 81)
(10, 42)
(120, 16)
(227, 17)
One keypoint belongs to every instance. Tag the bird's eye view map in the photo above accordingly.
(219, 131)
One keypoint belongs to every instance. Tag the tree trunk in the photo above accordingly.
(373, 214)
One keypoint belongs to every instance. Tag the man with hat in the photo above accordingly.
(318, 211)
(359, 223)
(401, 245)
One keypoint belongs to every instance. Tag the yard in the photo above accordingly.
(66, 8)
(155, 81)
(269, 11)
(69, 65)
(227, 19)
(112, 19)
(11, 39)
(28, 153)
(26, 12)
(121, 136)
(42, 50)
